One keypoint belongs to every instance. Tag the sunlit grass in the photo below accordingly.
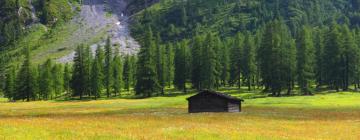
(326, 116)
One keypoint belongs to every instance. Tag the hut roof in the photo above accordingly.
(221, 95)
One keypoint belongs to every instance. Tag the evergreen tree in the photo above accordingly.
(79, 79)
(169, 65)
(209, 63)
(181, 66)
(196, 63)
(58, 80)
(88, 57)
(225, 63)
(248, 58)
(319, 62)
(46, 80)
(108, 67)
(96, 77)
(275, 58)
(305, 60)
(25, 80)
(67, 78)
(332, 54)
(218, 65)
(117, 73)
(351, 58)
(160, 63)
(128, 73)
(9, 90)
(235, 60)
(146, 78)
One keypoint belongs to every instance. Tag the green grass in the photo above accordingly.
(323, 116)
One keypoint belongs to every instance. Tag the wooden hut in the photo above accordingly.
(210, 101)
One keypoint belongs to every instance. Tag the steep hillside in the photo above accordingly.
(176, 20)
(52, 29)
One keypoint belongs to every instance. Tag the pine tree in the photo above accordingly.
(108, 67)
(46, 80)
(209, 63)
(351, 58)
(25, 80)
(276, 58)
(332, 54)
(9, 90)
(181, 66)
(146, 78)
(196, 63)
(88, 58)
(319, 62)
(58, 80)
(67, 78)
(235, 60)
(160, 63)
(117, 73)
(96, 78)
(218, 65)
(225, 63)
(79, 79)
(128, 73)
(169, 65)
(305, 60)
(249, 67)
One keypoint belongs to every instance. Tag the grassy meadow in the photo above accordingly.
(323, 116)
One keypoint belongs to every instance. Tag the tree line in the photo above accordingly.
(270, 59)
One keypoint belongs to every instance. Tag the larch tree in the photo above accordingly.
(248, 61)
(196, 62)
(58, 80)
(209, 63)
(160, 62)
(108, 67)
(305, 60)
(235, 60)
(25, 80)
(146, 77)
(67, 78)
(117, 73)
(9, 90)
(169, 65)
(181, 66)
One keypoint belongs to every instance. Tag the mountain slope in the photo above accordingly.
(176, 20)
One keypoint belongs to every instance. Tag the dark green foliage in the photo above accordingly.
(108, 73)
(46, 80)
(169, 64)
(10, 90)
(305, 60)
(128, 72)
(332, 55)
(181, 61)
(117, 73)
(67, 78)
(80, 72)
(276, 58)
(248, 61)
(160, 63)
(196, 63)
(209, 63)
(146, 77)
(25, 89)
(96, 76)
(236, 53)
(58, 80)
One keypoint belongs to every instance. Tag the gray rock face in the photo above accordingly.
(110, 15)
